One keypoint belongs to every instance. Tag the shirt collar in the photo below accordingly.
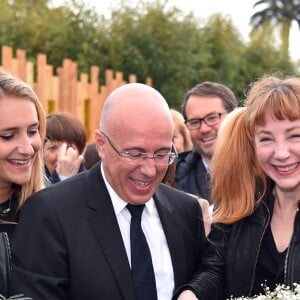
(118, 203)
(207, 167)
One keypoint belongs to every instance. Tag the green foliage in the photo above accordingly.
(281, 14)
(62, 32)
(152, 39)
(225, 47)
(154, 43)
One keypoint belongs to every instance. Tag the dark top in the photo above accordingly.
(8, 228)
(8, 209)
(239, 247)
(270, 265)
(8, 213)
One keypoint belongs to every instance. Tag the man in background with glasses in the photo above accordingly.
(114, 232)
(204, 108)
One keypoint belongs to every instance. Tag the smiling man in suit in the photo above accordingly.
(75, 239)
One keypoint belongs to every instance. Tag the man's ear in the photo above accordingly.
(99, 140)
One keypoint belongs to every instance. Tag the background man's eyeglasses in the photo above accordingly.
(210, 120)
(136, 157)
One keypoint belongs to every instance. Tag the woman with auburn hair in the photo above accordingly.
(256, 192)
(230, 165)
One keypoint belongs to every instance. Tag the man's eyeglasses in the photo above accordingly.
(137, 157)
(210, 120)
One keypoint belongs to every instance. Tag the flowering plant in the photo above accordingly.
(281, 292)
(15, 297)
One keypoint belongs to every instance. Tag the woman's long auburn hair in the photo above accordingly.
(238, 182)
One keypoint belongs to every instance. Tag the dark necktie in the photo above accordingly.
(141, 262)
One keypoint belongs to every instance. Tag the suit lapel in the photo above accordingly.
(102, 219)
(173, 235)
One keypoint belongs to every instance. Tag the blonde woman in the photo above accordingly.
(22, 130)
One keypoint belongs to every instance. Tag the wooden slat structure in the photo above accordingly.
(65, 89)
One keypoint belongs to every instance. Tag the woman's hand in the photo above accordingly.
(187, 295)
(68, 160)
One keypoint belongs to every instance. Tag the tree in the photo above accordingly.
(263, 58)
(224, 47)
(67, 31)
(279, 12)
(152, 41)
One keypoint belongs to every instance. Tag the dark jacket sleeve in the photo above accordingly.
(44, 243)
(208, 280)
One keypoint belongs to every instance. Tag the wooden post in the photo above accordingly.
(41, 78)
(64, 91)
(21, 63)
(132, 78)
(95, 106)
(7, 58)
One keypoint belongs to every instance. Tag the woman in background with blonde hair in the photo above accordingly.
(181, 136)
(181, 141)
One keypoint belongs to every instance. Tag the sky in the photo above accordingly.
(239, 10)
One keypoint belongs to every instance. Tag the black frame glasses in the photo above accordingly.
(137, 157)
(209, 120)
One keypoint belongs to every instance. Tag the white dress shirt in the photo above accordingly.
(155, 236)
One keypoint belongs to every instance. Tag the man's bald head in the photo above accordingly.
(133, 102)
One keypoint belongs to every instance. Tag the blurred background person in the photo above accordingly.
(91, 156)
(181, 135)
(64, 146)
(181, 142)
(169, 180)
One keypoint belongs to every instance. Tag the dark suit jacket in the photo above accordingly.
(68, 245)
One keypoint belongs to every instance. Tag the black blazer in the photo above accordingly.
(68, 245)
(4, 264)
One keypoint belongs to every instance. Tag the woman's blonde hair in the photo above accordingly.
(178, 121)
(13, 86)
(238, 181)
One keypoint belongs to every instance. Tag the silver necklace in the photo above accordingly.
(6, 210)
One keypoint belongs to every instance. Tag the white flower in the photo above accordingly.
(281, 292)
